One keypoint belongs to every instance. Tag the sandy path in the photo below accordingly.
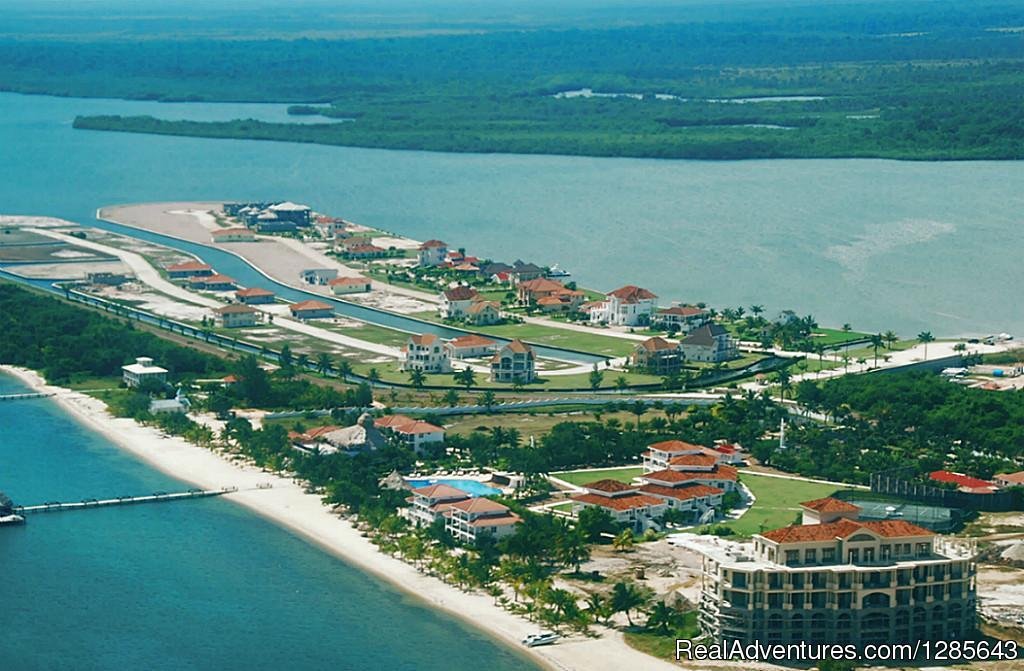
(286, 504)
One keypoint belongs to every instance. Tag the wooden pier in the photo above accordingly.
(26, 396)
(157, 497)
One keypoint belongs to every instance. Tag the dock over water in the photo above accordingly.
(27, 395)
(157, 497)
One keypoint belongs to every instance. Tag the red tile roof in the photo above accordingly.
(309, 305)
(693, 460)
(482, 306)
(1015, 478)
(619, 503)
(657, 344)
(471, 341)
(423, 339)
(254, 291)
(722, 472)
(440, 491)
(343, 281)
(189, 265)
(682, 493)
(959, 479)
(541, 284)
(802, 533)
(496, 521)
(235, 309)
(461, 293)
(610, 486)
(682, 311)
(672, 446)
(632, 294)
(480, 505)
(211, 279)
(417, 427)
(432, 243)
(391, 421)
(830, 505)
(519, 347)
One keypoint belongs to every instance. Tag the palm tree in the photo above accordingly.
(451, 397)
(621, 383)
(302, 362)
(418, 378)
(324, 364)
(373, 376)
(487, 399)
(784, 377)
(571, 549)
(757, 309)
(662, 618)
(638, 408)
(466, 377)
(598, 607)
(925, 337)
(344, 367)
(627, 597)
(623, 541)
(890, 338)
(876, 342)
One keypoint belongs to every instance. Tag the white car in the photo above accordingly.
(543, 638)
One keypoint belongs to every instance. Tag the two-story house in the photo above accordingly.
(427, 353)
(514, 362)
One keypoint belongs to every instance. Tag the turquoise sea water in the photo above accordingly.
(186, 585)
(880, 244)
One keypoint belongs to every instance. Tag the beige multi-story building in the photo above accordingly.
(839, 580)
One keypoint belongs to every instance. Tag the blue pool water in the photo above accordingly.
(471, 487)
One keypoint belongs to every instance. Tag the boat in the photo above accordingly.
(541, 638)
(555, 271)
(7, 515)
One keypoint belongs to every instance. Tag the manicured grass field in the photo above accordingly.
(777, 503)
(582, 477)
(556, 337)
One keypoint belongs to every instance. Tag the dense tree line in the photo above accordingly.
(899, 80)
(64, 341)
(885, 421)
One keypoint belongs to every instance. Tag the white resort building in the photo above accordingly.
(471, 518)
(141, 371)
(627, 306)
(838, 581)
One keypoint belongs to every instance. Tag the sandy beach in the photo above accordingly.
(286, 504)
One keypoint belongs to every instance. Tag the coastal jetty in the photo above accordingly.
(158, 497)
(26, 396)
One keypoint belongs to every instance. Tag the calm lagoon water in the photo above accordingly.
(880, 244)
(187, 585)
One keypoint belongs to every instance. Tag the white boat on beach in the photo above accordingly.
(541, 638)
(12, 519)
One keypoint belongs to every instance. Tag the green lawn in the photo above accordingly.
(777, 503)
(556, 337)
(625, 474)
(664, 646)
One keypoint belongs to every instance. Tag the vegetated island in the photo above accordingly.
(883, 80)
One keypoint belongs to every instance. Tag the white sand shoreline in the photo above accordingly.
(289, 506)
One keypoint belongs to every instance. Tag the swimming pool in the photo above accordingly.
(471, 487)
